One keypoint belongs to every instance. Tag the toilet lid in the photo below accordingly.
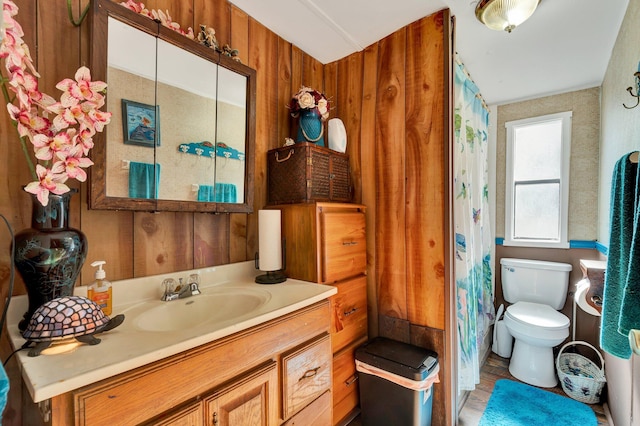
(537, 314)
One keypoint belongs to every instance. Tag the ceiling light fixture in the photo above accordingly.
(505, 14)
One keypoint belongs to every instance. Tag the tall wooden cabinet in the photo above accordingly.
(326, 243)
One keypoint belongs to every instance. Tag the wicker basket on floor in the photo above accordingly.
(580, 377)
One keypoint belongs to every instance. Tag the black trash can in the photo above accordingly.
(395, 383)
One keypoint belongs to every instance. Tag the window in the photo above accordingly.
(537, 189)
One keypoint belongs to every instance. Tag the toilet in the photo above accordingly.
(536, 290)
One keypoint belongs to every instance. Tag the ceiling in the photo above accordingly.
(564, 46)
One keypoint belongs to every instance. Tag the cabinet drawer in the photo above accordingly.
(345, 382)
(349, 312)
(344, 247)
(318, 413)
(306, 375)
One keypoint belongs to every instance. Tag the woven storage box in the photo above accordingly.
(580, 377)
(305, 173)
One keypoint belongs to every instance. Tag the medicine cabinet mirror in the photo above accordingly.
(182, 130)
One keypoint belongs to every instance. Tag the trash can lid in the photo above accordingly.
(399, 358)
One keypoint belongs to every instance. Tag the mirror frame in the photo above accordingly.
(98, 198)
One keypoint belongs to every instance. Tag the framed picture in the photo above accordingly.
(140, 123)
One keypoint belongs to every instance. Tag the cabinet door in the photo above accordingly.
(348, 312)
(344, 248)
(248, 401)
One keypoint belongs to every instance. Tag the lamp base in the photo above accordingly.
(271, 277)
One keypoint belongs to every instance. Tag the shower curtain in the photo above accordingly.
(473, 244)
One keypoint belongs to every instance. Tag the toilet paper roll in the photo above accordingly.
(269, 240)
(582, 287)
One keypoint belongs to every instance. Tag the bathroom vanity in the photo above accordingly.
(239, 353)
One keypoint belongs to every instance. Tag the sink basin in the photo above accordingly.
(196, 310)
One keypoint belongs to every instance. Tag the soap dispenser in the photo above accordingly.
(100, 290)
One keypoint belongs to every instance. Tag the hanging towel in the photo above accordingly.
(206, 193)
(621, 225)
(143, 180)
(221, 193)
(226, 193)
(630, 310)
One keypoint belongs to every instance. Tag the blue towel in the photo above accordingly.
(143, 180)
(630, 310)
(621, 220)
(206, 193)
(221, 193)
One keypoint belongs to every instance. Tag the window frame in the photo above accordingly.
(510, 187)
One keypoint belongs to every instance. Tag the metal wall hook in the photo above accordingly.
(636, 75)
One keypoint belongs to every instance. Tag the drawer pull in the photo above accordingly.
(215, 418)
(351, 380)
(350, 243)
(352, 311)
(309, 373)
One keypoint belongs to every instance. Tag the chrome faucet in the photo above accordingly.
(173, 291)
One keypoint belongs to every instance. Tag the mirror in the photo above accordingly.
(182, 130)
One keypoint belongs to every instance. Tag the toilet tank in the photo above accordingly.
(535, 281)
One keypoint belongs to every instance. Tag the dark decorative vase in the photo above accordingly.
(49, 255)
(310, 128)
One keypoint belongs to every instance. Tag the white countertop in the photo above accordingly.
(128, 346)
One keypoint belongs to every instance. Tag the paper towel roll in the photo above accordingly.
(269, 240)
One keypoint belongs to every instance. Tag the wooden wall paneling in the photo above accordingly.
(296, 82)
(110, 238)
(238, 222)
(211, 239)
(390, 156)
(263, 47)
(162, 242)
(425, 171)
(349, 100)
(368, 174)
(215, 14)
(312, 72)
(285, 91)
(331, 90)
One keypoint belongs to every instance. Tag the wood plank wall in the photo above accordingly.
(391, 98)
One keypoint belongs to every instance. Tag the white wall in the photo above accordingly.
(620, 134)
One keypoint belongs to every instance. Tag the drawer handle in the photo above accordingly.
(309, 373)
(349, 243)
(351, 380)
(597, 300)
(352, 311)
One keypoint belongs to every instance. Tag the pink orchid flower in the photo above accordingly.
(74, 163)
(48, 147)
(82, 89)
(27, 122)
(50, 180)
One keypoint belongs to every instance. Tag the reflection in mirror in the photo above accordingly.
(187, 99)
(131, 75)
(231, 136)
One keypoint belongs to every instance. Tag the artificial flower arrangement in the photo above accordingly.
(309, 99)
(60, 132)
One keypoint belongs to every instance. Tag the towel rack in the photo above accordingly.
(634, 157)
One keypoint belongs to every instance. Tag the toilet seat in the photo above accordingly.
(538, 315)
